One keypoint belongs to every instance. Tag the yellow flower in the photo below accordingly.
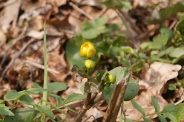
(111, 78)
(87, 50)
(89, 64)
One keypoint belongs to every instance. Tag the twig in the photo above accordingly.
(41, 67)
(103, 12)
(16, 56)
(14, 42)
(87, 107)
(81, 11)
(133, 26)
(116, 101)
(89, 118)
(132, 30)
(126, 25)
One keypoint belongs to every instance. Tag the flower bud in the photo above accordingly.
(111, 78)
(89, 64)
(87, 50)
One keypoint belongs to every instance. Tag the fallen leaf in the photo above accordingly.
(152, 81)
(144, 100)
(35, 34)
(157, 75)
(9, 14)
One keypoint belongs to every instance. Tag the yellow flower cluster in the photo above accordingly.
(88, 50)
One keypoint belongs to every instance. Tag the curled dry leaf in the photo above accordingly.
(157, 75)
(152, 82)
(35, 34)
(9, 14)
(91, 115)
(144, 100)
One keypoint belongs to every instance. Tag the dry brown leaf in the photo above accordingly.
(57, 3)
(35, 34)
(157, 75)
(9, 14)
(152, 81)
(28, 5)
(2, 38)
(36, 23)
(75, 23)
(91, 115)
(144, 100)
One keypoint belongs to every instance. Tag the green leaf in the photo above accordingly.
(146, 120)
(58, 98)
(12, 95)
(177, 52)
(167, 32)
(128, 120)
(172, 86)
(159, 42)
(138, 107)
(104, 47)
(180, 112)
(162, 118)
(155, 104)
(45, 110)
(91, 30)
(128, 49)
(73, 97)
(126, 62)
(120, 73)
(5, 110)
(107, 92)
(145, 45)
(169, 108)
(131, 90)
(26, 99)
(1, 101)
(170, 116)
(167, 12)
(36, 85)
(180, 25)
(57, 86)
(22, 115)
(155, 58)
(36, 90)
(72, 52)
(100, 75)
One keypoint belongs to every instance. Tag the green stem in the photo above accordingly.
(155, 113)
(45, 94)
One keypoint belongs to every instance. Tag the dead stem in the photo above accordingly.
(88, 104)
(116, 101)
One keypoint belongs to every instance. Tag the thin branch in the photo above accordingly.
(16, 56)
(81, 11)
(91, 103)
(41, 66)
(22, 35)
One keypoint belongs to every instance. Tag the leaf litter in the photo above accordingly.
(25, 63)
